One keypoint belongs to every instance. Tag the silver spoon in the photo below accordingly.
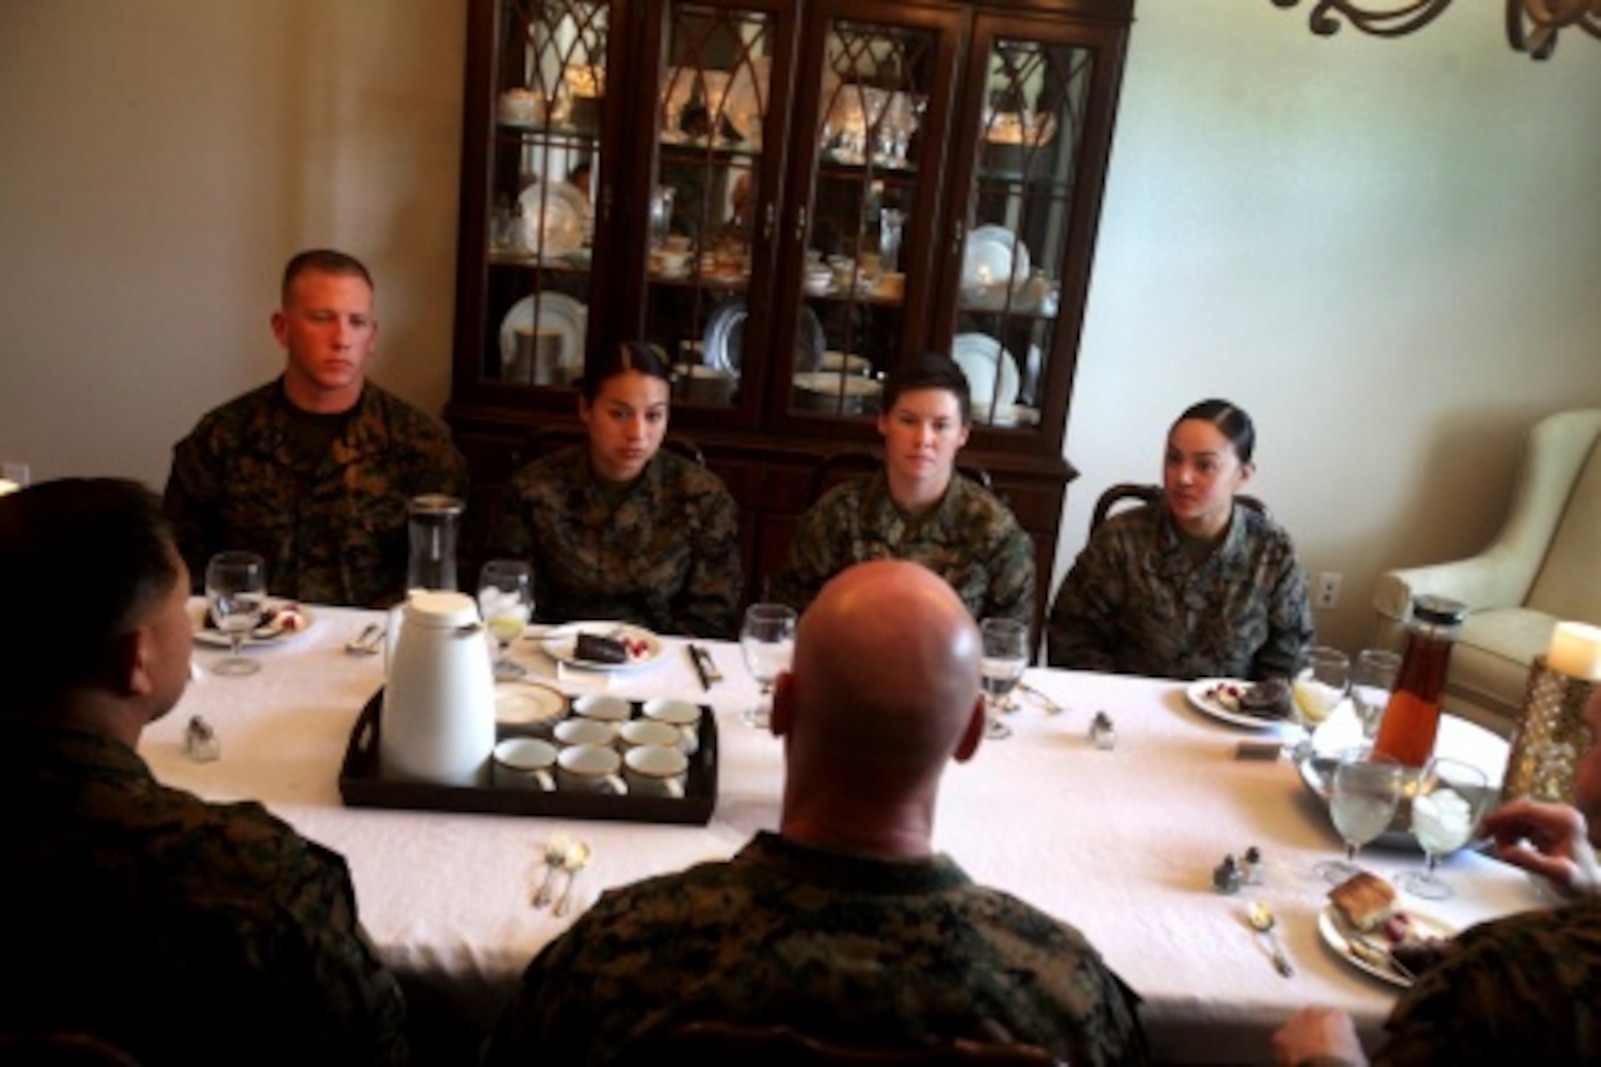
(555, 855)
(577, 859)
(1262, 921)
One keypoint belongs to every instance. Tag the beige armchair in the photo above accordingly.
(1543, 567)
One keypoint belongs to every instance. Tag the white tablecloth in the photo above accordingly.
(1121, 843)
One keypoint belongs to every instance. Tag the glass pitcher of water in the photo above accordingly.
(433, 523)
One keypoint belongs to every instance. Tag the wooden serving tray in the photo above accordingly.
(362, 786)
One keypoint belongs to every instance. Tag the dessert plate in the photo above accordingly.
(560, 644)
(1199, 695)
(262, 635)
(1333, 930)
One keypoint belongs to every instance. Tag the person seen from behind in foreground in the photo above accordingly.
(845, 923)
(178, 930)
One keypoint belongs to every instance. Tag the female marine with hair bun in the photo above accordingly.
(1196, 585)
(617, 528)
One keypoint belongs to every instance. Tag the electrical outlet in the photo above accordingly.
(1328, 589)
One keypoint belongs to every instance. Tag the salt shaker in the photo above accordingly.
(1102, 733)
(200, 741)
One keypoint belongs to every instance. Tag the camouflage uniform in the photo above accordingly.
(334, 536)
(843, 947)
(1138, 602)
(661, 552)
(182, 931)
(1525, 989)
(969, 538)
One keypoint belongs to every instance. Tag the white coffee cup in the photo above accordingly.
(524, 763)
(585, 732)
(681, 714)
(655, 771)
(647, 732)
(602, 708)
(590, 769)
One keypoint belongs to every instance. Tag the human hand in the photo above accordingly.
(1551, 840)
(1325, 1034)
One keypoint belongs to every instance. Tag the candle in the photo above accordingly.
(8, 486)
(1575, 651)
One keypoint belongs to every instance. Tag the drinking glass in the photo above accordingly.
(1362, 799)
(506, 600)
(1372, 679)
(236, 593)
(1320, 687)
(1445, 811)
(1005, 656)
(767, 639)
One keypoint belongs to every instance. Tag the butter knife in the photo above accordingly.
(705, 666)
(700, 668)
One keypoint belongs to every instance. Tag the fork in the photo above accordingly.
(367, 643)
(555, 856)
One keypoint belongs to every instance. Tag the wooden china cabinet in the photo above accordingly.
(786, 198)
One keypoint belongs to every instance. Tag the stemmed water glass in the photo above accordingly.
(506, 601)
(1445, 811)
(1317, 690)
(1363, 796)
(1005, 656)
(236, 594)
(1372, 679)
(767, 638)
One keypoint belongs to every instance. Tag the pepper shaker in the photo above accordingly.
(1102, 733)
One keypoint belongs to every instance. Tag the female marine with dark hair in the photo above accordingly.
(617, 528)
(1195, 585)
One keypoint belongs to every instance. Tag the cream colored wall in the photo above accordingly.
(1387, 251)
(163, 158)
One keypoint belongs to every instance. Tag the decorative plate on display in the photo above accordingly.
(981, 358)
(994, 257)
(644, 648)
(724, 340)
(556, 310)
(554, 214)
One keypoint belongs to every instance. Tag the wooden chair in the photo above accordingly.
(842, 466)
(1123, 492)
(716, 1044)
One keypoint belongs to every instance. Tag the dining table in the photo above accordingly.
(1119, 835)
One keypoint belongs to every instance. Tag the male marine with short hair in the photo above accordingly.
(314, 470)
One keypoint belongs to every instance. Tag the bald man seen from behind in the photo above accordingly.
(844, 924)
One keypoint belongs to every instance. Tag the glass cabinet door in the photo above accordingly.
(545, 168)
(709, 218)
(875, 81)
(1018, 221)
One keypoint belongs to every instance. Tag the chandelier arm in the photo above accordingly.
(1394, 22)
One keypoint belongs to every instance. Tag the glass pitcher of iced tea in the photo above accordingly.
(1412, 717)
